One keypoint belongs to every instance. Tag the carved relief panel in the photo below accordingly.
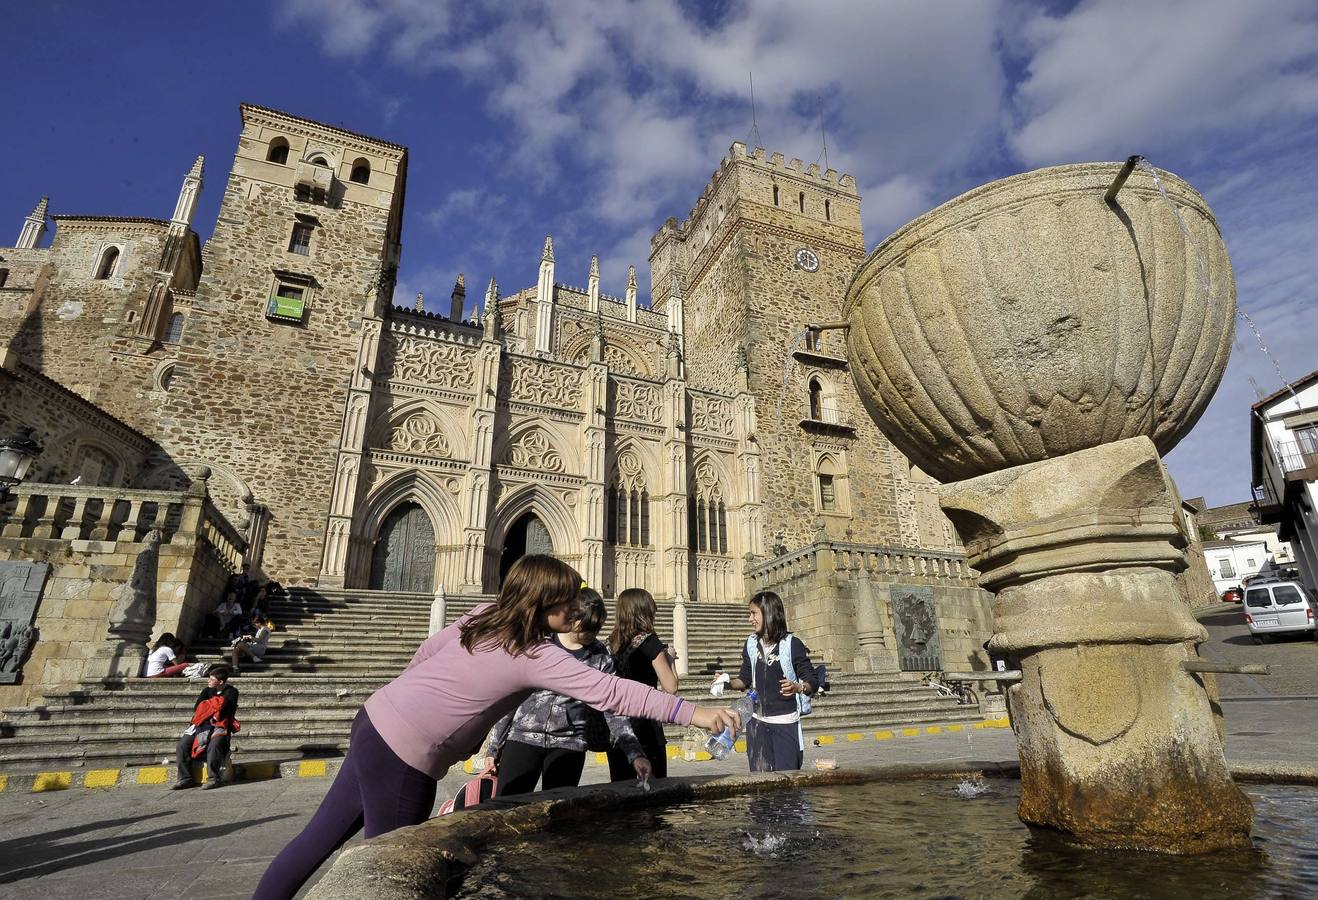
(429, 362)
(632, 400)
(544, 383)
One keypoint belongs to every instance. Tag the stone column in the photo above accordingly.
(680, 642)
(131, 618)
(875, 647)
(1117, 742)
(438, 610)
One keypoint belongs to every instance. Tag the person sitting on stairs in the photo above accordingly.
(252, 646)
(212, 726)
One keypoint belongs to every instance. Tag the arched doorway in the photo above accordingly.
(404, 555)
(525, 536)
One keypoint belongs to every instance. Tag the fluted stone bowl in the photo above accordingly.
(1028, 319)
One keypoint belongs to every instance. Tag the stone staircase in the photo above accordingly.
(333, 648)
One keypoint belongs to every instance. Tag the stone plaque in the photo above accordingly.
(916, 621)
(20, 592)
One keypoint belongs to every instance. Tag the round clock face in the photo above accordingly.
(807, 259)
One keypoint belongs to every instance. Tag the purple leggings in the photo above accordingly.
(374, 788)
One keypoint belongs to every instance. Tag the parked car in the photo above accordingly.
(1277, 607)
(1233, 595)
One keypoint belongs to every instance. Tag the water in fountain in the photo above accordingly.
(969, 788)
(903, 839)
(790, 363)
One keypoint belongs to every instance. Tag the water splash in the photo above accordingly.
(970, 788)
(788, 365)
(769, 845)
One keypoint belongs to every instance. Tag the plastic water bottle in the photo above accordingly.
(720, 745)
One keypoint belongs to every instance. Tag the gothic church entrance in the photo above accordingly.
(527, 535)
(404, 555)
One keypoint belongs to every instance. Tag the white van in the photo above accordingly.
(1277, 607)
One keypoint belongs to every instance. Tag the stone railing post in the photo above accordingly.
(1117, 741)
(17, 519)
(438, 610)
(680, 635)
(874, 652)
(190, 519)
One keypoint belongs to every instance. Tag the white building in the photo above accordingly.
(1284, 461)
(1231, 562)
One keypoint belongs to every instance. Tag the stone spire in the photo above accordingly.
(420, 301)
(34, 227)
(492, 311)
(674, 306)
(544, 298)
(631, 293)
(188, 194)
(458, 299)
(593, 285)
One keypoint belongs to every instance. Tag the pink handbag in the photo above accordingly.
(475, 792)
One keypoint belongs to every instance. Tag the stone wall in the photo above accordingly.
(91, 539)
(78, 438)
(839, 598)
(748, 293)
(262, 400)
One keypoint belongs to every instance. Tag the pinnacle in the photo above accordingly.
(548, 255)
(40, 211)
(631, 276)
(594, 267)
(492, 292)
(197, 167)
(460, 286)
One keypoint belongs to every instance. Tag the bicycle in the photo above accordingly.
(965, 695)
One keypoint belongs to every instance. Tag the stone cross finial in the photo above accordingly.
(548, 254)
(420, 301)
(34, 227)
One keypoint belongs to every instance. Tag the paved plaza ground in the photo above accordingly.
(146, 842)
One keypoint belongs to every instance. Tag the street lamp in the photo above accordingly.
(17, 454)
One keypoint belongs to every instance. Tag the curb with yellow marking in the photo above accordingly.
(105, 779)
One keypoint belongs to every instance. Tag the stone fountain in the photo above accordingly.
(1036, 344)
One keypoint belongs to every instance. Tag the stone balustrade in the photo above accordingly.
(928, 566)
(120, 515)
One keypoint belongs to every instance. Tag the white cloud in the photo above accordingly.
(1114, 77)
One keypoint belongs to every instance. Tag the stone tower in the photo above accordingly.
(276, 362)
(769, 247)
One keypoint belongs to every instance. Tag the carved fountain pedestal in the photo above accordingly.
(1035, 345)
(1117, 741)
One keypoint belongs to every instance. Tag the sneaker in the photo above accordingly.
(182, 785)
(211, 785)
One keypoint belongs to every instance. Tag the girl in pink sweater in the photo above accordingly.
(461, 681)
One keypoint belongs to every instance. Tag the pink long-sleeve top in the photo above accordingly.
(444, 703)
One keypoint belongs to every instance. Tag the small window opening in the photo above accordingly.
(174, 331)
(166, 378)
(109, 262)
(4, 276)
(775, 195)
(131, 317)
(278, 152)
(816, 399)
(319, 160)
(361, 172)
(288, 303)
(828, 211)
(800, 199)
(300, 242)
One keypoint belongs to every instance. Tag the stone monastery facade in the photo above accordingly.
(358, 443)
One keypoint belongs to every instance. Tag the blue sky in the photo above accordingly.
(597, 120)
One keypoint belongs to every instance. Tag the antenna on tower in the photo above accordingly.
(820, 101)
(756, 140)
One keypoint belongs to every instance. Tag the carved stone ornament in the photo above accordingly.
(710, 415)
(636, 401)
(430, 362)
(545, 383)
(533, 451)
(420, 434)
(707, 479)
(630, 471)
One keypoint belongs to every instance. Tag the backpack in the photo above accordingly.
(789, 672)
(475, 792)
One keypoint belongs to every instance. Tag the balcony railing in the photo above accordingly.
(1296, 457)
(834, 418)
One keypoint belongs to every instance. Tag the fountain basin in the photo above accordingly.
(848, 831)
(1029, 319)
